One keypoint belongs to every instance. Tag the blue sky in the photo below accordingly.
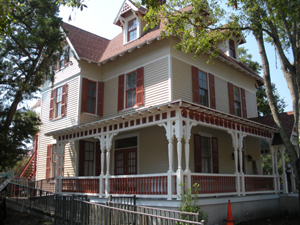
(99, 16)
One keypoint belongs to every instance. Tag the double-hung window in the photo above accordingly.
(89, 163)
(91, 97)
(203, 88)
(131, 89)
(58, 102)
(237, 101)
(132, 30)
(206, 154)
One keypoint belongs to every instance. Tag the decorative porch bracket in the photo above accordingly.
(237, 143)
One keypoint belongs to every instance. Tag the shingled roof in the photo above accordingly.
(87, 45)
(288, 124)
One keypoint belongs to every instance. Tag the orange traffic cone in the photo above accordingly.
(229, 215)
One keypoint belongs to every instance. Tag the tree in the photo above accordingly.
(202, 25)
(30, 38)
(261, 95)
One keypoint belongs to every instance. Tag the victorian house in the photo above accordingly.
(133, 116)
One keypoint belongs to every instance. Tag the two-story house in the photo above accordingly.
(132, 115)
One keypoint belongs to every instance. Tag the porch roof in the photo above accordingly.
(158, 114)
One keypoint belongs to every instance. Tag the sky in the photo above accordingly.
(99, 16)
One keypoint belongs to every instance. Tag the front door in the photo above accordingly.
(126, 161)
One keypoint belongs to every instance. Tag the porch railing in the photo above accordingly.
(256, 183)
(155, 184)
(80, 185)
(165, 185)
(214, 183)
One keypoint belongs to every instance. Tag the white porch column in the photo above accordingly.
(234, 137)
(57, 166)
(169, 127)
(61, 153)
(108, 139)
(284, 178)
(102, 143)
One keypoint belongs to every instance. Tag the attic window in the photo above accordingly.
(231, 49)
(132, 30)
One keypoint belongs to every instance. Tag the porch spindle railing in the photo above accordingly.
(139, 185)
(80, 185)
(256, 183)
(215, 184)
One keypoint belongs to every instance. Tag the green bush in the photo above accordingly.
(189, 202)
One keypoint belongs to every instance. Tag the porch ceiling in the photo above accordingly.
(161, 114)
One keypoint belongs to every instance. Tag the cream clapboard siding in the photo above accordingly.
(92, 72)
(253, 149)
(182, 72)
(69, 120)
(152, 150)
(156, 88)
(69, 160)
(251, 104)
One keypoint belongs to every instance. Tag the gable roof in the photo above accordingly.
(288, 124)
(87, 45)
(97, 49)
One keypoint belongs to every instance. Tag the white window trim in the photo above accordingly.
(138, 29)
(137, 150)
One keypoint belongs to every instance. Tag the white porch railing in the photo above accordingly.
(164, 185)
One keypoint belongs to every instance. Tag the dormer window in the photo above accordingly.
(232, 49)
(132, 30)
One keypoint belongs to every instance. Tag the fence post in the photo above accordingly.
(71, 208)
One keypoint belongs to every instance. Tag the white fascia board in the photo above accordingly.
(70, 44)
(133, 7)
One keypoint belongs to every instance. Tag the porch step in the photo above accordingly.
(3, 185)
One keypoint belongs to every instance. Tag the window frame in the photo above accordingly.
(203, 89)
(135, 29)
(209, 159)
(92, 161)
(91, 97)
(237, 101)
(131, 89)
(232, 52)
(57, 107)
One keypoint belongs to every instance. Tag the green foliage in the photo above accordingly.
(263, 106)
(189, 202)
(246, 58)
(20, 134)
(267, 163)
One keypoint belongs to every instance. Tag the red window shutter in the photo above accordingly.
(100, 98)
(212, 91)
(121, 92)
(48, 161)
(195, 82)
(140, 86)
(81, 158)
(52, 104)
(197, 153)
(98, 159)
(215, 155)
(59, 160)
(244, 103)
(63, 100)
(231, 98)
(85, 83)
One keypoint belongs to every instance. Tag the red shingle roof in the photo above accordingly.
(87, 45)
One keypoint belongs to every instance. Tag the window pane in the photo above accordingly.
(129, 98)
(134, 97)
(58, 112)
(87, 155)
(132, 25)
(126, 142)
